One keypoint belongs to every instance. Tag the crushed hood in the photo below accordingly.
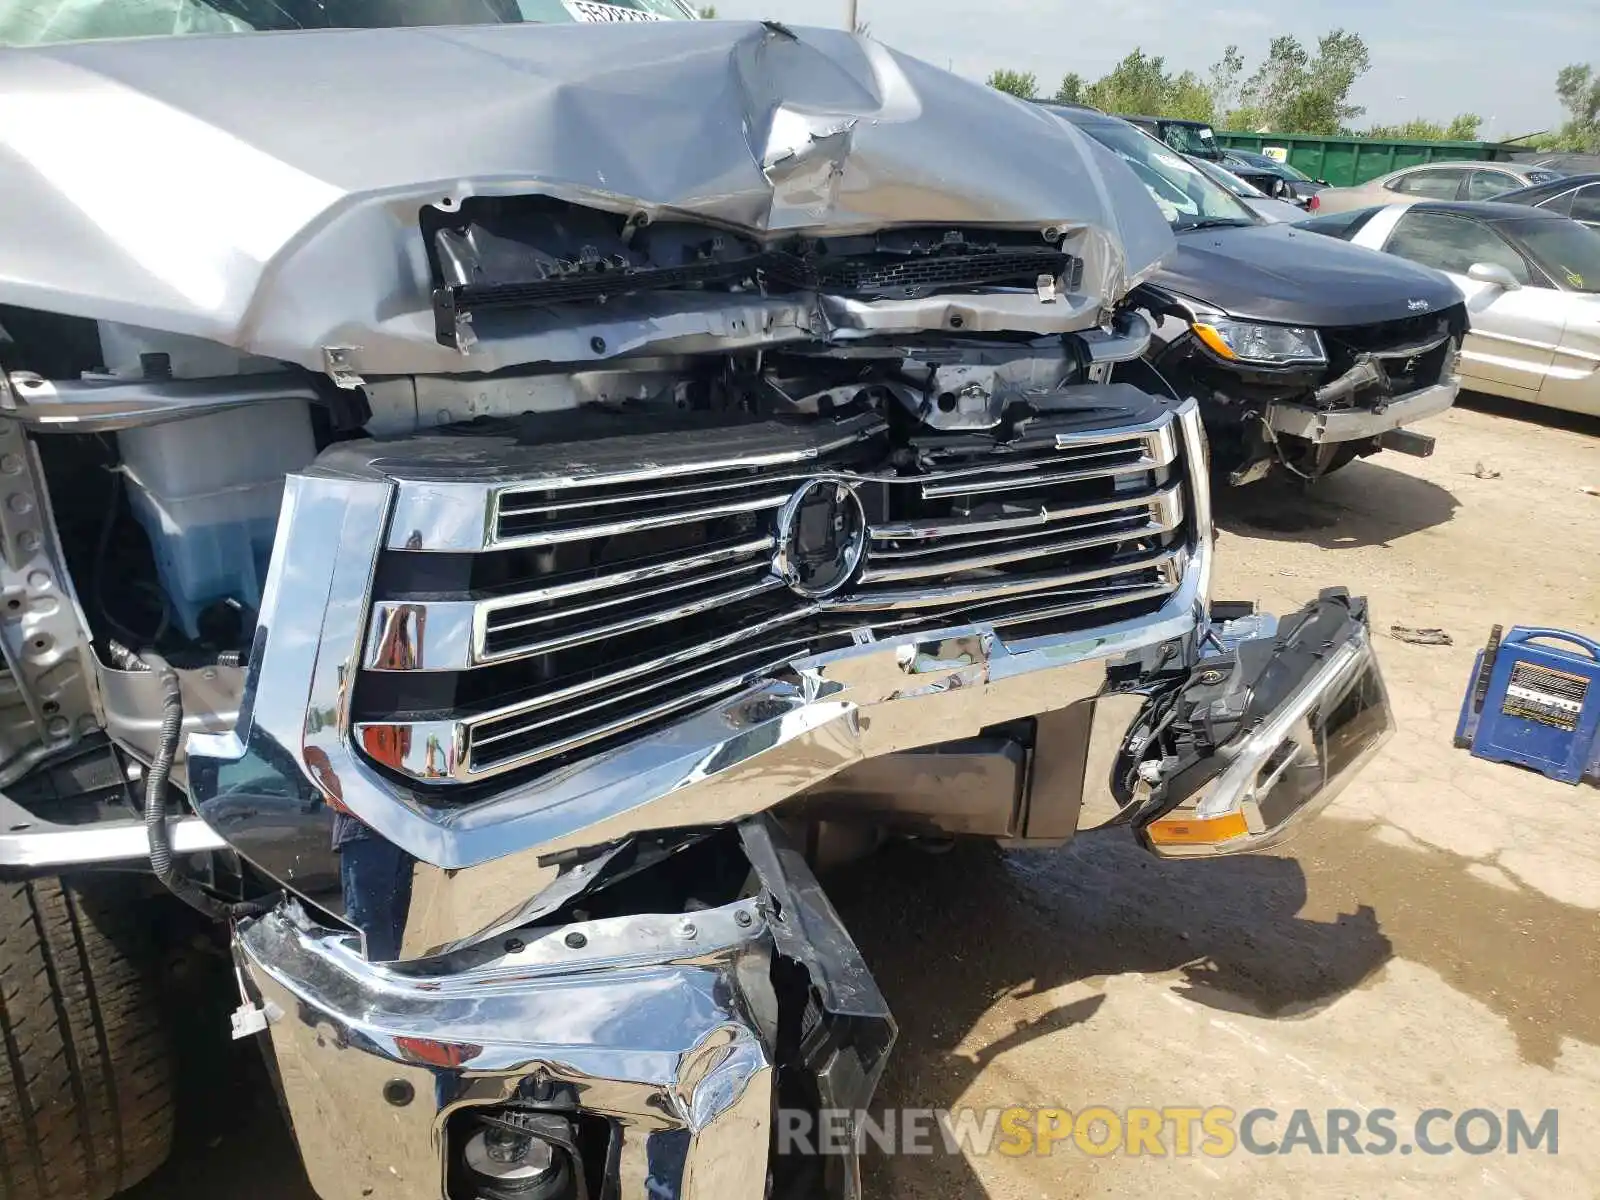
(263, 190)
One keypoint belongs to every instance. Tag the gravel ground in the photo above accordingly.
(1432, 942)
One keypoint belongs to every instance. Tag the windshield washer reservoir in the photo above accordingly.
(207, 491)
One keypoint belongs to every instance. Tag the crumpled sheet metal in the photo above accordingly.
(262, 191)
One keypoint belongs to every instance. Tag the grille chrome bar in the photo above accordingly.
(616, 710)
(613, 713)
(575, 533)
(796, 454)
(482, 735)
(1045, 514)
(1103, 598)
(1160, 514)
(628, 576)
(504, 617)
(622, 676)
(971, 593)
(1145, 452)
(463, 634)
(630, 624)
(689, 492)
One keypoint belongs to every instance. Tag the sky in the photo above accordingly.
(1430, 58)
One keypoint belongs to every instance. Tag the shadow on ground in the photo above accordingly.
(949, 937)
(1363, 504)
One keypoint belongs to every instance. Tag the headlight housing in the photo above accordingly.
(1266, 345)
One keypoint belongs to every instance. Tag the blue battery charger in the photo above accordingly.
(1535, 704)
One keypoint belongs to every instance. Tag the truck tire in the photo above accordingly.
(86, 1078)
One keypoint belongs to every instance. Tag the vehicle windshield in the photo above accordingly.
(1191, 139)
(33, 22)
(1567, 250)
(1542, 176)
(1226, 179)
(1186, 198)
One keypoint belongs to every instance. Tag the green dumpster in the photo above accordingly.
(1348, 161)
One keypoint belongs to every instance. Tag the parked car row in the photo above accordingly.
(1303, 353)
(1247, 193)
(1197, 140)
(1359, 340)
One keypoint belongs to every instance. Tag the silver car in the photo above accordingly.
(1433, 181)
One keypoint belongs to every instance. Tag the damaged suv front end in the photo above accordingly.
(710, 468)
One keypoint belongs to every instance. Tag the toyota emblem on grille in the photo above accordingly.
(822, 537)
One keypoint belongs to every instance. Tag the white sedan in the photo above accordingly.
(1532, 283)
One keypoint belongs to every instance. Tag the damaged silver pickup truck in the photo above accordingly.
(487, 509)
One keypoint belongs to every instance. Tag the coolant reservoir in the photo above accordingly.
(207, 491)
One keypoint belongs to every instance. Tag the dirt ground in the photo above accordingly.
(1433, 942)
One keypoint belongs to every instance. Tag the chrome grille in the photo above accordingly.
(674, 490)
(631, 698)
(621, 602)
(614, 596)
(1041, 499)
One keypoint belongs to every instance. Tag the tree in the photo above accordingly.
(1224, 87)
(1140, 84)
(1293, 91)
(708, 13)
(1578, 88)
(1246, 120)
(1463, 128)
(1071, 89)
(1342, 58)
(1190, 98)
(1019, 83)
(1137, 84)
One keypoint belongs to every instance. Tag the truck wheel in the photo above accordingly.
(85, 1074)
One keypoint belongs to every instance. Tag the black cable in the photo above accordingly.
(155, 795)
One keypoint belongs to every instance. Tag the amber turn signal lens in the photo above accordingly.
(1193, 831)
(1213, 341)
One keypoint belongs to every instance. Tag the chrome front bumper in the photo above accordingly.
(664, 1027)
(1350, 425)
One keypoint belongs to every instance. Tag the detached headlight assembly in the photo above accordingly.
(1266, 345)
